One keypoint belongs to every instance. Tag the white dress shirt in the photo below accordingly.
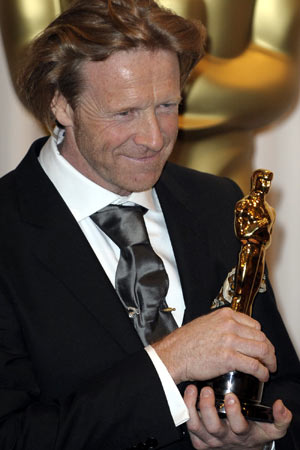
(84, 197)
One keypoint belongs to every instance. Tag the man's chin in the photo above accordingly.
(142, 181)
(140, 186)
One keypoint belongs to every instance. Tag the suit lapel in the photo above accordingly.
(189, 235)
(62, 247)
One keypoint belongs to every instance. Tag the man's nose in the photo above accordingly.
(149, 133)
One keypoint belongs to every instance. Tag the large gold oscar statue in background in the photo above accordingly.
(247, 80)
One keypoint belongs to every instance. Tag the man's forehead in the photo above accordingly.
(131, 64)
(133, 76)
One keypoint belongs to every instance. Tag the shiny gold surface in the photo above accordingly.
(248, 79)
(21, 20)
(254, 219)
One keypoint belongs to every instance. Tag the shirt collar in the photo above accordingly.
(82, 196)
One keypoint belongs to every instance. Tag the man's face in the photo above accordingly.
(125, 125)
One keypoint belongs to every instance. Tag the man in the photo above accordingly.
(77, 370)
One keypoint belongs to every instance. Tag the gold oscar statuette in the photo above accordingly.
(254, 219)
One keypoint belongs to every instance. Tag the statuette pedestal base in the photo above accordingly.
(242, 385)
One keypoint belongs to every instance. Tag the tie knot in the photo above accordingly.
(123, 224)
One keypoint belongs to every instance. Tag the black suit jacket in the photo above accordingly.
(73, 372)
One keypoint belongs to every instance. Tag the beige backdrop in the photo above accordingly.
(277, 149)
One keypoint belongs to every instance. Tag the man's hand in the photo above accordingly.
(215, 344)
(208, 431)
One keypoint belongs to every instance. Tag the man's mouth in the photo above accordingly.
(143, 158)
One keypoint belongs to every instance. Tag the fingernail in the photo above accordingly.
(205, 393)
(189, 390)
(230, 400)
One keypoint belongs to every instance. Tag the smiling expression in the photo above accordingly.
(124, 128)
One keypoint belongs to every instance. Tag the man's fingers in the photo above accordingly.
(244, 319)
(242, 334)
(209, 416)
(205, 426)
(238, 423)
(195, 427)
(262, 351)
(190, 398)
(252, 366)
(208, 431)
(282, 417)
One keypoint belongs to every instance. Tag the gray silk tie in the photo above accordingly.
(141, 279)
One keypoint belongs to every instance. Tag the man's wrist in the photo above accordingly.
(163, 350)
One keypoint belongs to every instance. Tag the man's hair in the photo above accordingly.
(92, 30)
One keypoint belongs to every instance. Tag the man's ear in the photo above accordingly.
(62, 110)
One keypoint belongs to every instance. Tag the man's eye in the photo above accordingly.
(169, 105)
(123, 113)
